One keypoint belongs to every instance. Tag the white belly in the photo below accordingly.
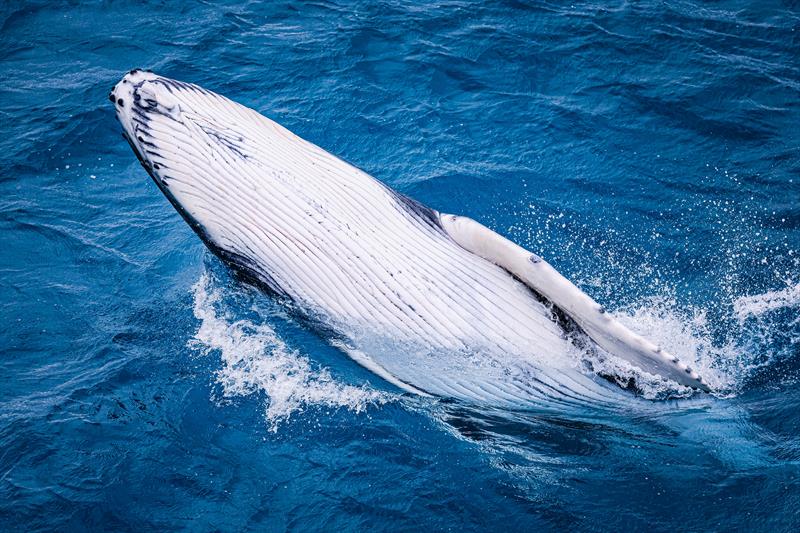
(369, 264)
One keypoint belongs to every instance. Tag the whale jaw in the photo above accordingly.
(159, 118)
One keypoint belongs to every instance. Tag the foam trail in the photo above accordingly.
(759, 304)
(255, 360)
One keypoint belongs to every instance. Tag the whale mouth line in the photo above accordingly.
(142, 161)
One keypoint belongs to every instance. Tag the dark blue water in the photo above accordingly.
(650, 151)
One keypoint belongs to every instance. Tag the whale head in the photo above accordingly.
(200, 149)
(160, 118)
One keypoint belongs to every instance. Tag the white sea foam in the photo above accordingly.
(759, 304)
(256, 360)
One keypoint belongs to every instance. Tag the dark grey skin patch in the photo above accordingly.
(231, 142)
(247, 269)
(145, 143)
(416, 209)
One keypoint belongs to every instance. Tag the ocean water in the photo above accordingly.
(650, 151)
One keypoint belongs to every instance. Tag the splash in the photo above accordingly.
(759, 330)
(687, 334)
(256, 360)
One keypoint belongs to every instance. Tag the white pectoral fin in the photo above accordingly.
(599, 325)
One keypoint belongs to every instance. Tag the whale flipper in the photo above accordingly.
(592, 318)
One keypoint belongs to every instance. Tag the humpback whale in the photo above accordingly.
(398, 283)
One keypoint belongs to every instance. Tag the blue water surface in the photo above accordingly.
(649, 150)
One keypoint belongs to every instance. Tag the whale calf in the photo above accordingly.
(433, 303)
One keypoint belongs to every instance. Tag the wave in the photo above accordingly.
(761, 304)
(255, 360)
